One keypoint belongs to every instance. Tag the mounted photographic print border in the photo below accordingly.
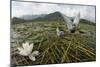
(52, 33)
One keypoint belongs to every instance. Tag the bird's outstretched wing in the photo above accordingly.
(68, 22)
(77, 19)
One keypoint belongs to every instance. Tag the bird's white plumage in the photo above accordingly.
(68, 22)
(77, 19)
(72, 25)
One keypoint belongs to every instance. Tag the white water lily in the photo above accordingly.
(59, 32)
(32, 56)
(26, 50)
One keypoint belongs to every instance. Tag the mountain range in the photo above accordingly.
(56, 16)
(31, 17)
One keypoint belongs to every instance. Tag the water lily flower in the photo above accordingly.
(32, 56)
(26, 50)
(59, 32)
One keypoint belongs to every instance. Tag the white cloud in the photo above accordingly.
(24, 8)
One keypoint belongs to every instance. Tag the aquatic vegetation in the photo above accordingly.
(72, 47)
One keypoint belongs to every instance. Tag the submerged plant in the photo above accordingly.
(26, 50)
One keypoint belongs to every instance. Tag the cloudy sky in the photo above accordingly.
(31, 8)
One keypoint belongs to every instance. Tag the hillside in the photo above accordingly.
(16, 20)
(31, 17)
(56, 16)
